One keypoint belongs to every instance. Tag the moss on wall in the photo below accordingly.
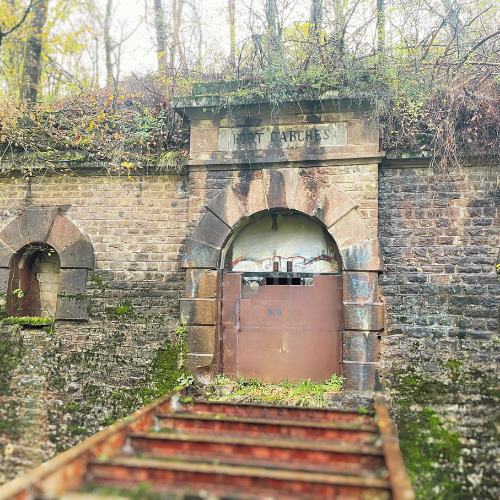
(12, 351)
(448, 429)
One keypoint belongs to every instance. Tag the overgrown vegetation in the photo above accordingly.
(429, 68)
(304, 393)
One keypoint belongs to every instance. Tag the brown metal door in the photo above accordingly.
(279, 332)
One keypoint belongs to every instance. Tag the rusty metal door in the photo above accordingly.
(274, 332)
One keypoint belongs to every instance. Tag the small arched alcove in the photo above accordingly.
(44, 263)
(34, 282)
(282, 300)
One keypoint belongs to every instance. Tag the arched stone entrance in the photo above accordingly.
(281, 300)
(359, 254)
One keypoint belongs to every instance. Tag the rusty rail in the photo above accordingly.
(398, 476)
(67, 470)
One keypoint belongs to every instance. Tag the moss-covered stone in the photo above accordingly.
(448, 430)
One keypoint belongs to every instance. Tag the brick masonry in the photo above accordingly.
(440, 237)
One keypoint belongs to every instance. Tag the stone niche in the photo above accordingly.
(44, 263)
(315, 158)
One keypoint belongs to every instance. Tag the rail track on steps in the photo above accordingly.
(207, 450)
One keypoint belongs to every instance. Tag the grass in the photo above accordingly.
(304, 393)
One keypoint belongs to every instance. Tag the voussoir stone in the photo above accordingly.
(251, 195)
(198, 254)
(39, 222)
(350, 230)
(62, 234)
(226, 206)
(334, 205)
(15, 234)
(211, 230)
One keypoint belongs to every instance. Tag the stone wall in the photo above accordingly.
(62, 383)
(440, 237)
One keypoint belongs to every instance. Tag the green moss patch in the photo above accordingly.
(305, 393)
(448, 429)
(28, 321)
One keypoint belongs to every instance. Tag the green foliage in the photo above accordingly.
(98, 282)
(28, 321)
(122, 310)
(303, 393)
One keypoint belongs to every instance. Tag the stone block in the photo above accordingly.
(79, 254)
(280, 186)
(4, 279)
(334, 205)
(201, 339)
(211, 230)
(73, 281)
(360, 286)
(197, 254)
(62, 234)
(360, 346)
(39, 222)
(74, 308)
(361, 377)
(308, 193)
(363, 316)
(204, 138)
(196, 361)
(226, 206)
(364, 256)
(251, 195)
(201, 283)
(198, 311)
(15, 234)
(350, 230)
(6, 253)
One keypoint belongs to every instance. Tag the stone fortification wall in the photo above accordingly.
(62, 383)
(440, 237)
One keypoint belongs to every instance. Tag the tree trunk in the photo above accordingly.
(231, 7)
(380, 28)
(108, 44)
(316, 15)
(339, 13)
(177, 6)
(161, 37)
(32, 69)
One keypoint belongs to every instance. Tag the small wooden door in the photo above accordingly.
(273, 332)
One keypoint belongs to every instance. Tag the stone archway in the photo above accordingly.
(360, 253)
(76, 255)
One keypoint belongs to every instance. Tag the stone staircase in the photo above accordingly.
(239, 451)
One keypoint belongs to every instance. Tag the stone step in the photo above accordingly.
(164, 475)
(347, 432)
(292, 453)
(253, 410)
